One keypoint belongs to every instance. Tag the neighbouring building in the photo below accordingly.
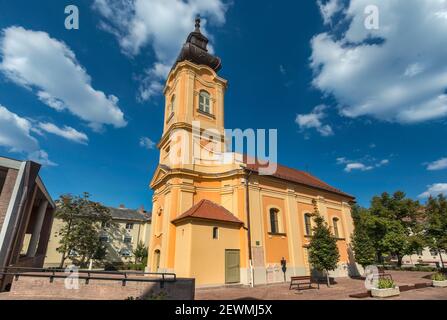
(26, 216)
(132, 227)
(425, 257)
(225, 222)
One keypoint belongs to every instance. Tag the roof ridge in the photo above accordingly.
(209, 210)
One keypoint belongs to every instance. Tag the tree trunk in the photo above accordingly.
(64, 255)
(379, 257)
(328, 279)
(61, 265)
(399, 260)
(442, 260)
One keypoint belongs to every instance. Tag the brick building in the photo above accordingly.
(26, 216)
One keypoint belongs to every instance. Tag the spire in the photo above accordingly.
(198, 20)
(195, 49)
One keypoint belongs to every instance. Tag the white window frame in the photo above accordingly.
(127, 237)
(131, 224)
(202, 106)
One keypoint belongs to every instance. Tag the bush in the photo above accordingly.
(415, 268)
(386, 284)
(134, 266)
(439, 277)
(112, 266)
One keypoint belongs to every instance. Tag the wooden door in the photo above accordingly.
(232, 266)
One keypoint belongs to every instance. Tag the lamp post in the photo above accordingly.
(284, 267)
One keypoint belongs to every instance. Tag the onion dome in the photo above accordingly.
(195, 50)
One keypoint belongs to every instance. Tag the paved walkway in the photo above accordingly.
(340, 291)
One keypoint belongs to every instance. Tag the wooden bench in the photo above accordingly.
(304, 280)
(383, 275)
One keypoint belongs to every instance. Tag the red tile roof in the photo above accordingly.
(297, 176)
(208, 210)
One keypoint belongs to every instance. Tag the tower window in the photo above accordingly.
(205, 102)
(172, 107)
(215, 233)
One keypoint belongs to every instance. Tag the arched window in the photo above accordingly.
(335, 225)
(215, 233)
(308, 224)
(172, 107)
(274, 225)
(205, 102)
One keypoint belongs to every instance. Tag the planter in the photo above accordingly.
(440, 284)
(385, 293)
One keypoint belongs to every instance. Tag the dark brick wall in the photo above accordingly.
(6, 193)
(34, 287)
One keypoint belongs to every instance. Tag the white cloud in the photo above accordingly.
(282, 69)
(147, 143)
(402, 78)
(357, 166)
(440, 164)
(41, 156)
(383, 163)
(66, 132)
(162, 24)
(15, 135)
(329, 9)
(43, 64)
(434, 190)
(313, 120)
(365, 164)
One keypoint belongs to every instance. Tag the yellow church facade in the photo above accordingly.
(225, 222)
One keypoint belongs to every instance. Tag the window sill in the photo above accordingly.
(209, 115)
(277, 234)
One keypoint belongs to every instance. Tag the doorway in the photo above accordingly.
(232, 266)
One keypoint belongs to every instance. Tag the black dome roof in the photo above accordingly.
(195, 50)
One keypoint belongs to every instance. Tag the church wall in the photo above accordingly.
(293, 201)
(208, 255)
(183, 250)
(276, 245)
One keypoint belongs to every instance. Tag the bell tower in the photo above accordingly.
(193, 133)
(194, 102)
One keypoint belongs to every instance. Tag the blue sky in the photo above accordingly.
(365, 110)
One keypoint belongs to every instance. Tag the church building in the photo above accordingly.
(224, 222)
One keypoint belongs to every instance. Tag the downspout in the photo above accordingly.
(247, 208)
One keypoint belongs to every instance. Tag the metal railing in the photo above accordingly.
(87, 275)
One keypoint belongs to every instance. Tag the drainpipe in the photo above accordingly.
(247, 207)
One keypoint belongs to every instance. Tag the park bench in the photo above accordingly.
(383, 275)
(303, 280)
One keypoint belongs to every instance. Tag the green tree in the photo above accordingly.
(363, 245)
(323, 250)
(140, 252)
(396, 240)
(82, 226)
(394, 225)
(436, 224)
